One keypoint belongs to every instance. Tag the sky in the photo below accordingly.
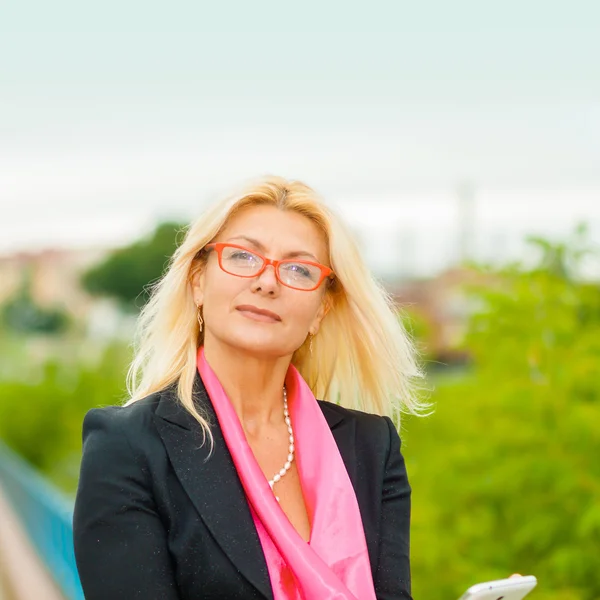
(115, 115)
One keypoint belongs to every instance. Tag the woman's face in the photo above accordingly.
(228, 300)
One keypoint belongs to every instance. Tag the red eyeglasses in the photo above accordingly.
(302, 275)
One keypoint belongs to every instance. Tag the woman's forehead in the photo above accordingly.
(273, 227)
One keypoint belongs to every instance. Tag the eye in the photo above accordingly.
(242, 255)
(299, 270)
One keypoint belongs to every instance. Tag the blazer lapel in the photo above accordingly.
(212, 483)
(344, 433)
(215, 489)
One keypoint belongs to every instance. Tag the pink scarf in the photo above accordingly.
(334, 564)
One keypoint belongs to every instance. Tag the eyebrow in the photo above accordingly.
(261, 247)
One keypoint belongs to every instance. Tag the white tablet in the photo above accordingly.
(514, 588)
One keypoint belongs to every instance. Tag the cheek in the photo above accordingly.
(220, 290)
(303, 310)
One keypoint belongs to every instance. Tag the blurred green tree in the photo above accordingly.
(420, 330)
(41, 418)
(127, 272)
(506, 474)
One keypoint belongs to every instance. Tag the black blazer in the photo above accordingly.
(153, 521)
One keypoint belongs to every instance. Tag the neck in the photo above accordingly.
(253, 384)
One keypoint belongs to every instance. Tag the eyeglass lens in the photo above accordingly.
(295, 274)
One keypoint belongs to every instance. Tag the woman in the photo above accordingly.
(223, 476)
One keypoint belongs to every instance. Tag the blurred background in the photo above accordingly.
(461, 143)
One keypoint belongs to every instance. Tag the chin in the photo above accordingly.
(262, 347)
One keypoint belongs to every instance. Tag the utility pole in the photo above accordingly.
(405, 245)
(466, 221)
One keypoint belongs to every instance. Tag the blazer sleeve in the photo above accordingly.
(120, 542)
(393, 572)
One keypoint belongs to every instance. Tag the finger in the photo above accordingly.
(515, 575)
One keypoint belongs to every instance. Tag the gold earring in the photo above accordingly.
(310, 347)
(199, 317)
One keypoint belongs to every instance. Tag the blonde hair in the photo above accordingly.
(362, 356)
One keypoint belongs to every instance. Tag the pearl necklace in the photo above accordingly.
(290, 458)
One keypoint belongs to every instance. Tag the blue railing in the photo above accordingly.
(46, 516)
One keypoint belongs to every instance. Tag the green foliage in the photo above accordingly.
(127, 273)
(419, 329)
(506, 475)
(41, 416)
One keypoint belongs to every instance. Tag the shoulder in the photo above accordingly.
(365, 419)
(127, 415)
(126, 422)
(371, 429)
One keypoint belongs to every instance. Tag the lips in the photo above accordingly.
(258, 314)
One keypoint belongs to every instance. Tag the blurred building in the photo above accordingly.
(444, 305)
(52, 277)
(441, 302)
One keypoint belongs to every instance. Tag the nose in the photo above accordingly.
(267, 281)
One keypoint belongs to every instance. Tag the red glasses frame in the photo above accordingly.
(218, 247)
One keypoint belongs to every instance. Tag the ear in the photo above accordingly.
(197, 282)
(324, 308)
